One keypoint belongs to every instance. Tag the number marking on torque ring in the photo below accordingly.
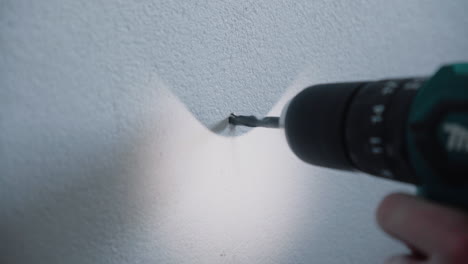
(375, 140)
(377, 150)
(376, 147)
(386, 173)
(413, 85)
(377, 113)
(389, 87)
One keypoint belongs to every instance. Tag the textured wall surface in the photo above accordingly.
(108, 112)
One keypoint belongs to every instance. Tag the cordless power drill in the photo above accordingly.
(412, 130)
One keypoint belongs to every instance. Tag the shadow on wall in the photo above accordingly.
(340, 227)
(157, 186)
(154, 184)
(70, 182)
(81, 211)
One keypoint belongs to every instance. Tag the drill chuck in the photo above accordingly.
(353, 126)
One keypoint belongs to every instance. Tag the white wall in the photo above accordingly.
(105, 108)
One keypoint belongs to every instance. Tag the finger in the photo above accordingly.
(427, 226)
(404, 260)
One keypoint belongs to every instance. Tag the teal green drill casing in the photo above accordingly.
(437, 136)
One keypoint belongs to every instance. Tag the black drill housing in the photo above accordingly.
(354, 126)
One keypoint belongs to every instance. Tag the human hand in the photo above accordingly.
(435, 234)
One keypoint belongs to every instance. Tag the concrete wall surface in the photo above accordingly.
(113, 144)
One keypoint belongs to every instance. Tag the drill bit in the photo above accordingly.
(252, 121)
